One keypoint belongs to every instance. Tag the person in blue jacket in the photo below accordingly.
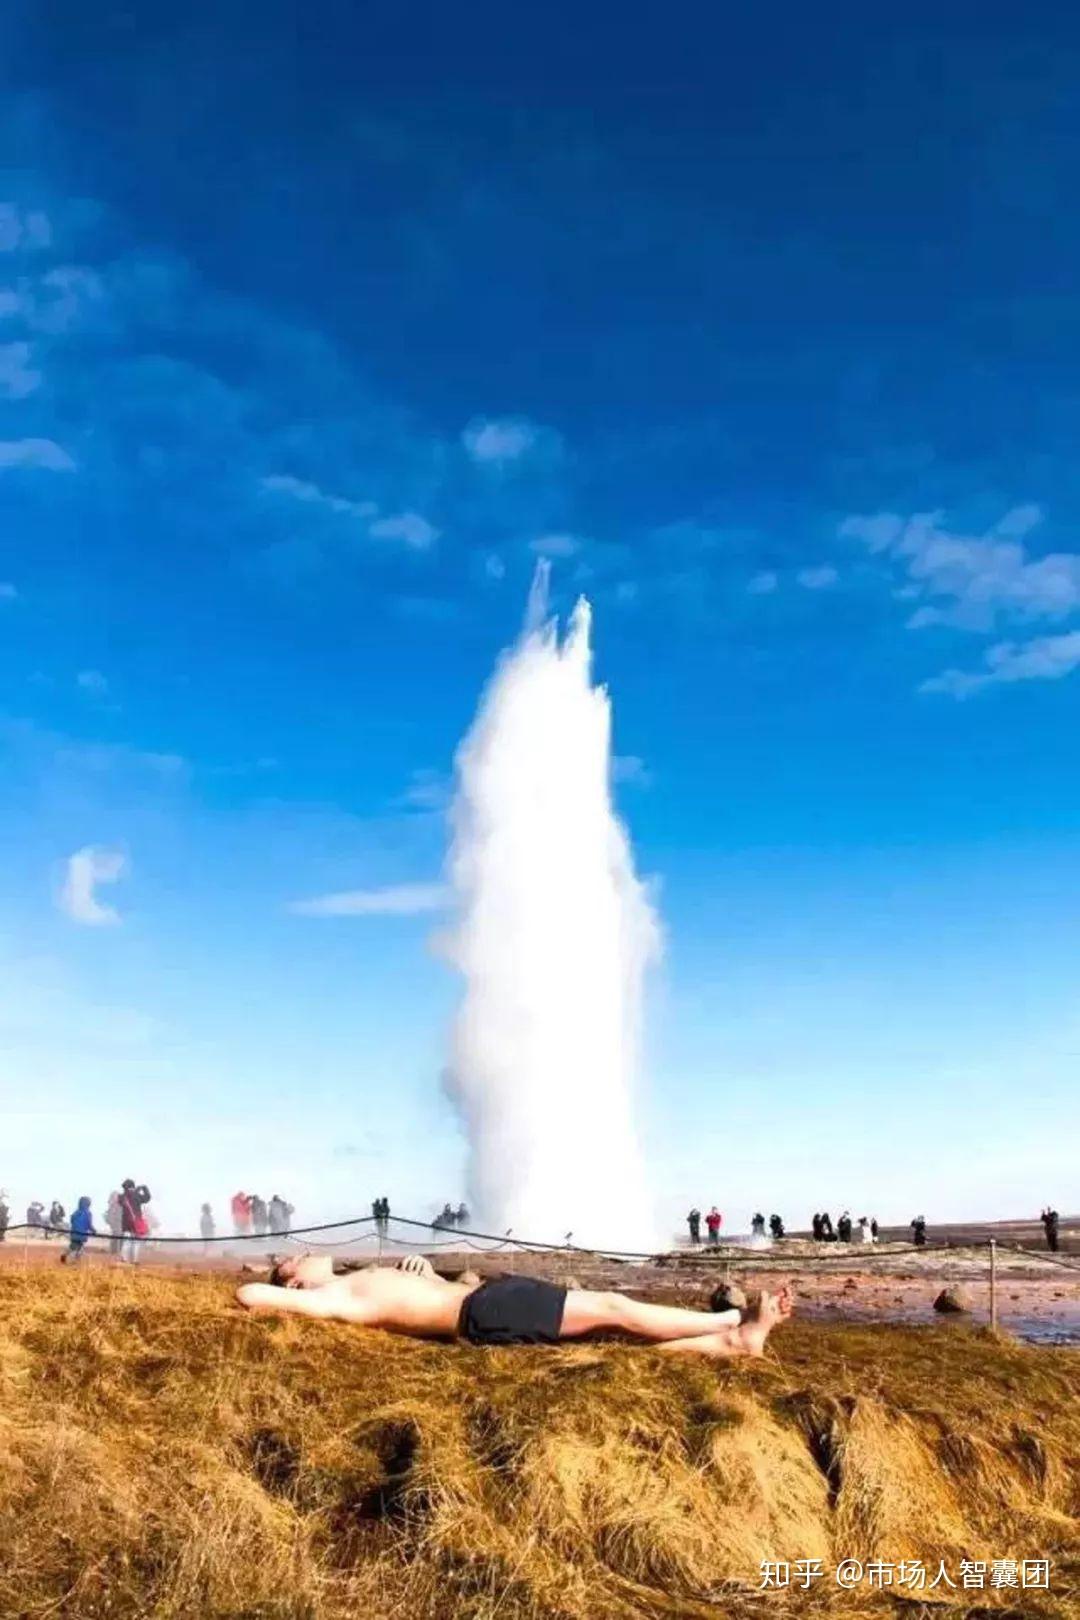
(82, 1228)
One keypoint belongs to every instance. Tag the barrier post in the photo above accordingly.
(993, 1284)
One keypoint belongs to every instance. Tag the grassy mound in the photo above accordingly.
(165, 1455)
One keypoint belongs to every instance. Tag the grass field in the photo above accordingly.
(164, 1455)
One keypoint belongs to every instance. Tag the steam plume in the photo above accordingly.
(553, 933)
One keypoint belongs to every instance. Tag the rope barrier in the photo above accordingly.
(741, 1258)
(316, 1243)
(1054, 1259)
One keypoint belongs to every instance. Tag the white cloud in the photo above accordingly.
(817, 579)
(630, 769)
(1046, 658)
(494, 567)
(555, 545)
(495, 441)
(409, 527)
(24, 231)
(763, 584)
(93, 682)
(86, 869)
(970, 581)
(400, 900)
(17, 377)
(44, 453)
(300, 490)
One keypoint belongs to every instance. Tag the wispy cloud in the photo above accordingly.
(53, 303)
(23, 231)
(17, 377)
(817, 579)
(299, 489)
(85, 871)
(763, 584)
(494, 441)
(61, 298)
(555, 545)
(410, 528)
(43, 453)
(93, 682)
(1046, 658)
(46, 748)
(319, 441)
(970, 582)
(400, 900)
(101, 758)
(8, 591)
(428, 791)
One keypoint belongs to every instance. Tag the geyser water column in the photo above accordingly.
(553, 933)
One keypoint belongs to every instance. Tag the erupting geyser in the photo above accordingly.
(553, 933)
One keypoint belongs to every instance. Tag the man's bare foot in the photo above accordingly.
(748, 1339)
(761, 1318)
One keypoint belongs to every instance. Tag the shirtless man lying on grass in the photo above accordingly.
(411, 1298)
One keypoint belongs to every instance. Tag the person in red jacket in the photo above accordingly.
(133, 1222)
(712, 1221)
(241, 1214)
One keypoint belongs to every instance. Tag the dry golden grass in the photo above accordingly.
(166, 1456)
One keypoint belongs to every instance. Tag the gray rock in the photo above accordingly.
(952, 1301)
(728, 1297)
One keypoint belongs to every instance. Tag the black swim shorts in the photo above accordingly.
(513, 1310)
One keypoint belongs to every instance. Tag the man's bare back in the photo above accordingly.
(411, 1298)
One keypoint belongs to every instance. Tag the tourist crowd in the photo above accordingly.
(129, 1221)
(252, 1216)
(845, 1231)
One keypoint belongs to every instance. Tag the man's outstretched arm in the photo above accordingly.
(296, 1302)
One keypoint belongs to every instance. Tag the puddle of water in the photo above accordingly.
(1033, 1331)
(1063, 1329)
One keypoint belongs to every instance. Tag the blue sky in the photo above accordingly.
(313, 336)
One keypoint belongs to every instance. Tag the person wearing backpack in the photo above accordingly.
(133, 1222)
